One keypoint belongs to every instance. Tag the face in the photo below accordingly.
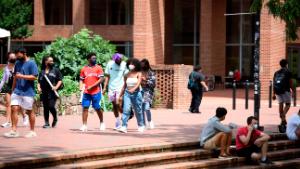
(222, 118)
(118, 61)
(93, 60)
(50, 61)
(254, 124)
(20, 56)
(12, 58)
(131, 67)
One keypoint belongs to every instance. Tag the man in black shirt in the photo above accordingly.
(196, 85)
(283, 87)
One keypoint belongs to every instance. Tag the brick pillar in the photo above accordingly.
(78, 15)
(213, 36)
(181, 95)
(39, 16)
(272, 48)
(148, 30)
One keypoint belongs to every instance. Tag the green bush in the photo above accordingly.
(70, 87)
(70, 53)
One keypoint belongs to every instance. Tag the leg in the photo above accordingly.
(96, 99)
(221, 141)
(52, 109)
(115, 109)
(285, 111)
(137, 101)
(229, 139)
(46, 110)
(147, 111)
(31, 115)
(14, 117)
(8, 107)
(198, 97)
(126, 109)
(281, 111)
(85, 116)
(192, 102)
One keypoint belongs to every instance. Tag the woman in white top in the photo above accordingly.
(132, 95)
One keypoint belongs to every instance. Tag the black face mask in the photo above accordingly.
(50, 65)
(21, 59)
(93, 61)
(12, 60)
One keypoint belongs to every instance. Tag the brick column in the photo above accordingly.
(39, 16)
(272, 48)
(78, 15)
(213, 36)
(148, 30)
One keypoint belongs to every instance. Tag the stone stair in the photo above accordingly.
(285, 153)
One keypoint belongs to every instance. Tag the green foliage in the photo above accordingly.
(70, 87)
(15, 16)
(71, 53)
(288, 11)
(1, 73)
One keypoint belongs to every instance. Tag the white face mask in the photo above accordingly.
(255, 126)
(131, 67)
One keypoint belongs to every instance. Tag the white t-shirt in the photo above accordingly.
(292, 125)
(116, 73)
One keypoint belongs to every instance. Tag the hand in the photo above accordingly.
(39, 90)
(144, 78)
(54, 88)
(250, 128)
(274, 97)
(19, 76)
(131, 91)
(103, 91)
(206, 88)
(90, 88)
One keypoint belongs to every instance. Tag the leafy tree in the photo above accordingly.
(70, 53)
(15, 16)
(288, 11)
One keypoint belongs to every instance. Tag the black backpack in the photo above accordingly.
(192, 83)
(278, 83)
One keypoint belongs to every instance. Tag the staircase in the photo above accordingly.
(284, 153)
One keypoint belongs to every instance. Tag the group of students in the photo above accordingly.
(130, 89)
(250, 141)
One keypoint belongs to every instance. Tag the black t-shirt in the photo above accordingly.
(198, 77)
(287, 78)
(54, 76)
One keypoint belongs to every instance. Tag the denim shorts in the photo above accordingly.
(95, 99)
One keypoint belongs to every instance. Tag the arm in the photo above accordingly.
(222, 127)
(124, 87)
(245, 139)
(14, 84)
(39, 88)
(106, 80)
(204, 85)
(95, 84)
(138, 83)
(26, 77)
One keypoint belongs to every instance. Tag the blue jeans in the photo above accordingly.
(146, 110)
(134, 100)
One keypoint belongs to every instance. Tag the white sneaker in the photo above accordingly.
(31, 134)
(118, 124)
(141, 129)
(83, 128)
(6, 125)
(11, 134)
(122, 129)
(26, 120)
(151, 125)
(102, 127)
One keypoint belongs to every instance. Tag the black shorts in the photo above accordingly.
(246, 152)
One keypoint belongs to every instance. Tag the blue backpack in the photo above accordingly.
(192, 83)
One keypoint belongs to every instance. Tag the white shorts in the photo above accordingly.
(25, 102)
(284, 98)
(113, 95)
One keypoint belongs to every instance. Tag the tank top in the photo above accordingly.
(131, 82)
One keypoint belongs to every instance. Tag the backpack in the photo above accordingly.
(278, 83)
(192, 83)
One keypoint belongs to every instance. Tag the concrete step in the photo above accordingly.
(160, 158)
(234, 162)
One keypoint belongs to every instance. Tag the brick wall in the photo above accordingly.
(272, 48)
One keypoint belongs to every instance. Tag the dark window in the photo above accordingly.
(58, 12)
(110, 12)
(298, 22)
(31, 47)
(293, 56)
(125, 48)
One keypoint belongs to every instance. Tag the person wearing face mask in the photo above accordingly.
(252, 143)
(132, 95)
(148, 85)
(215, 134)
(115, 71)
(47, 92)
(23, 92)
(91, 76)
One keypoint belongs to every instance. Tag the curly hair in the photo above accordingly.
(135, 62)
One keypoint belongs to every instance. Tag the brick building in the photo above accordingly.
(171, 32)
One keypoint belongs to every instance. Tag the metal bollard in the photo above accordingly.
(234, 95)
(246, 94)
(270, 93)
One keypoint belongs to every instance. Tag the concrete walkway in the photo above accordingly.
(171, 126)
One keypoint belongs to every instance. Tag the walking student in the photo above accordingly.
(132, 95)
(114, 81)
(148, 85)
(91, 76)
(25, 73)
(283, 87)
(196, 84)
(48, 95)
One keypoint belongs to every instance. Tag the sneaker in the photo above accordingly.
(102, 126)
(83, 128)
(26, 120)
(31, 134)
(6, 125)
(122, 129)
(11, 134)
(141, 129)
(118, 124)
(151, 125)
(266, 162)
(54, 123)
(46, 126)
